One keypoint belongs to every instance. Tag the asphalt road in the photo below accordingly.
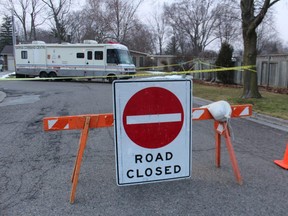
(36, 166)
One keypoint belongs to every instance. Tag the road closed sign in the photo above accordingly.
(153, 135)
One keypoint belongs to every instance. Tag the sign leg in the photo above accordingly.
(217, 149)
(232, 155)
(77, 166)
(74, 169)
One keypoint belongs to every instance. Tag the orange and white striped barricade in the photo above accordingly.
(85, 122)
(222, 129)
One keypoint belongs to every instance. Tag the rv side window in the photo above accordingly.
(98, 55)
(24, 55)
(80, 55)
(89, 55)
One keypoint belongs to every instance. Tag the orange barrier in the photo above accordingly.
(77, 122)
(221, 128)
(283, 163)
(84, 122)
(237, 111)
(80, 122)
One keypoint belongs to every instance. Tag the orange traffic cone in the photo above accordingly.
(283, 163)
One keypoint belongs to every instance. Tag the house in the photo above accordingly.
(273, 70)
(145, 61)
(139, 58)
(163, 62)
(8, 58)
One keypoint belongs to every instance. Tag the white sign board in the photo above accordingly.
(153, 135)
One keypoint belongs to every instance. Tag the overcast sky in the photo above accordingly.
(281, 10)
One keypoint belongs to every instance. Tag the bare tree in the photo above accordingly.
(112, 20)
(122, 14)
(267, 36)
(196, 19)
(26, 12)
(58, 11)
(228, 22)
(96, 21)
(19, 8)
(36, 9)
(160, 29)
(140, 38)
(252, 14)
(76, 26)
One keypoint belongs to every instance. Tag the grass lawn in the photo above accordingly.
(272, 104)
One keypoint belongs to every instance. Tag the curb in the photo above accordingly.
(270, 121)
(277, 123)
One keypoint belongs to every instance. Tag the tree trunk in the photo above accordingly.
(250, 85)
(250, 21)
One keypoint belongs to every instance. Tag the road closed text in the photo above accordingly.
(151, 170)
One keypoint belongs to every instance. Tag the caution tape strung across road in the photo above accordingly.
(163, 66)
(187, 62)
(143, 74)
(204, 63)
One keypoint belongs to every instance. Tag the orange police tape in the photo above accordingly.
(84, 122)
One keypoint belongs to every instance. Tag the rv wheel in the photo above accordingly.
(111, 78)
(52, 74)
(43, 74)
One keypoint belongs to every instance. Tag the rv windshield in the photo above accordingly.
(124, 57)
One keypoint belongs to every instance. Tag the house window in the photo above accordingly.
(24, 55)
(134, 60)
(98, 55)
(80, 55)
(141, 64)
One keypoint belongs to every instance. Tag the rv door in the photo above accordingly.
(89, 63)
(89, 57)
(95, 62)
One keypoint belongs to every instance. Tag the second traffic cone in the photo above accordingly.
(283, 163)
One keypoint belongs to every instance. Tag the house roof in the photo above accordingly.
(152, 55)
(7, 50)
(139, 53)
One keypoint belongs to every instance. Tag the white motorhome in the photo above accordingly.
(88, 59)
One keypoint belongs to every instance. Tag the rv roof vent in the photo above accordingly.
(90, 42)
(38, 42)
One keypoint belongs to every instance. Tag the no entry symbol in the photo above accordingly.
(153, 117)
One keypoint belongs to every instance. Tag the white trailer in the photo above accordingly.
(88, 59)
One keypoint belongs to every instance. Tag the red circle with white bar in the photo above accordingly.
(153, 117)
